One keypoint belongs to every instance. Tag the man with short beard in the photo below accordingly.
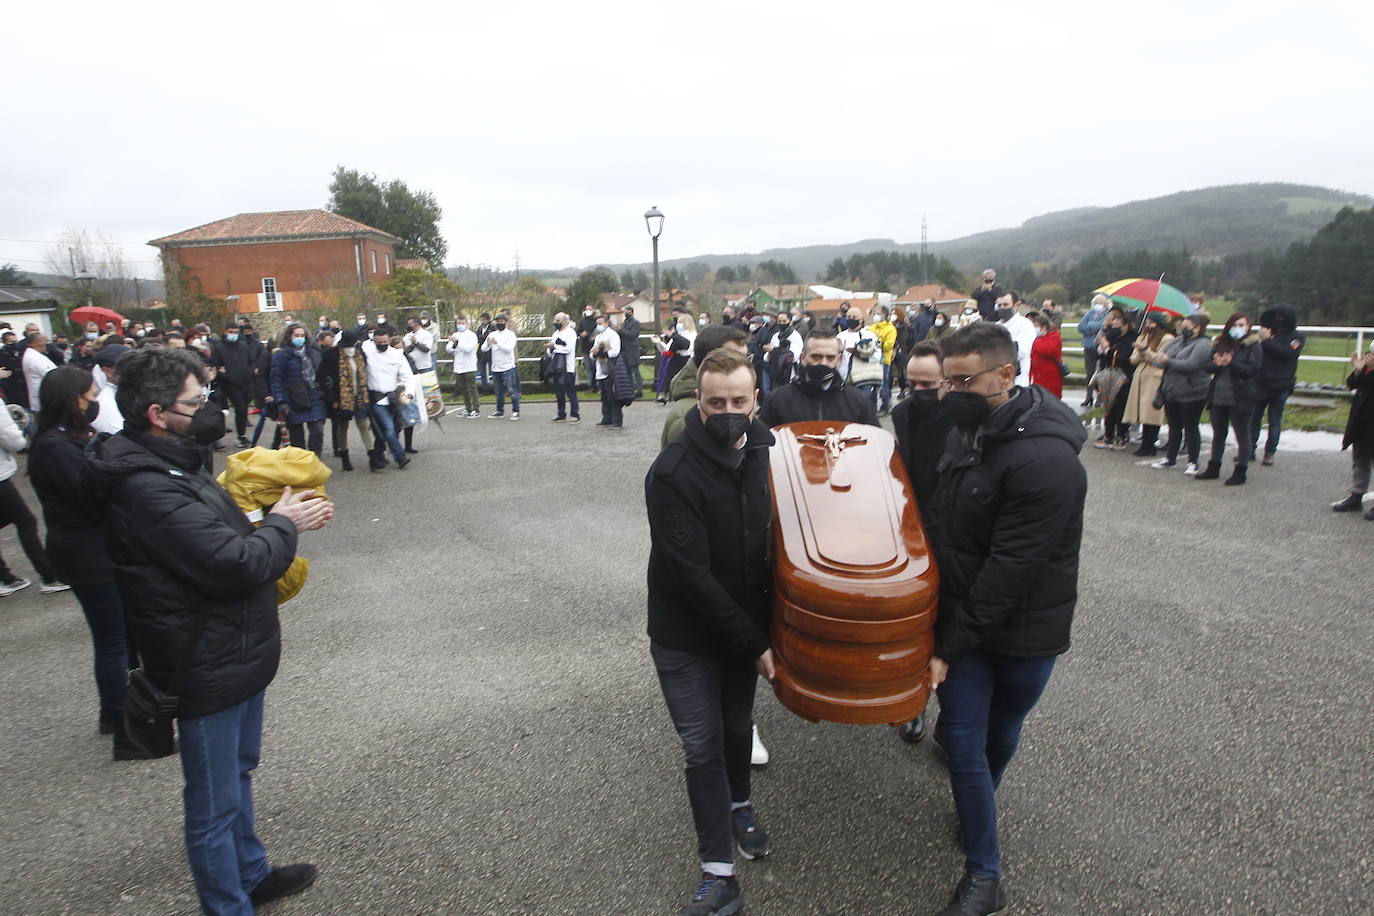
(818, 393)
(709, 611)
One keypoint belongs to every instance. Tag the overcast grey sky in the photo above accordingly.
(549, 128)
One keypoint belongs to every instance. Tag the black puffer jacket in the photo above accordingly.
(709, 575)
(76, 543)
(235, 361)
(1006, 529)
(1279, 367)
(181, 547)
(799, 401)
(921, 436)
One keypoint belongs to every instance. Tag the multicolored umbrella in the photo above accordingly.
(1148, 295)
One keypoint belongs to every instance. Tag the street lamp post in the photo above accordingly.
(85, 279)
(654, 220)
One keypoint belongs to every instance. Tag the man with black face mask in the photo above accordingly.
(1006, 530)
(710, 610)
(198, 585)
(819, 392)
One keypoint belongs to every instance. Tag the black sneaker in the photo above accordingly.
(716, 896)
(1351, 503)
(243, 441)
(912, 732)
(752, 839)
(282, 882)
(976, 895)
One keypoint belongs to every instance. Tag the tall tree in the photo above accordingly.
(411, 216)
(13, 276)
(588, 287)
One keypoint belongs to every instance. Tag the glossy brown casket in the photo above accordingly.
(855, 587)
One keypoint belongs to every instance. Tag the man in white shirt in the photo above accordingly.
(501, 344)
(387, 370)
(462, 343)
(36, 365)
(1022, 331)
(109, 419)
(419, 342)
(606, 352)
(563, 344)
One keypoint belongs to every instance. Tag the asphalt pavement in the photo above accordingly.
(466, 719)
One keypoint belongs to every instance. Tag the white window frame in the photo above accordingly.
(386, 260)
(270, 297)
(372, 252)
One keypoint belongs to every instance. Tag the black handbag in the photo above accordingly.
(298, 397)
(148, 711)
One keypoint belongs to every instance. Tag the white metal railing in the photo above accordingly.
(1361, 335)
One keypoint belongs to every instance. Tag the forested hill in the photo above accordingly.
(1209, 222)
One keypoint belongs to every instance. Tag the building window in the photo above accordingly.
(270, 301)
(373, 253)
(386, 259)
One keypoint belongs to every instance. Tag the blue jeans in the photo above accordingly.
(386, 426)
(104, 611)
(983, 702)
(507, 380)
(218, 755)
(887, 386)
(567, 390)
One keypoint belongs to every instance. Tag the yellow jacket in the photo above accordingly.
(254, 478)
(887, 336)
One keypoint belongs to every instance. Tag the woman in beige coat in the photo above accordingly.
(1140, 399)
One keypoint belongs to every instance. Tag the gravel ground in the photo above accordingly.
(466, 719)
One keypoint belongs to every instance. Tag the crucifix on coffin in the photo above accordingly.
(823, 458)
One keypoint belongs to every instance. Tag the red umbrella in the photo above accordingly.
(97, 314)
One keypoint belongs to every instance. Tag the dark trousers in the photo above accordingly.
(114, 655)
(385, 434)
(296, 432)
(237, 398)
(14, 511)
(567, 392)
(636, 377)
(1089, 364)
(1361, 463)
(484, 372)
(983, 702)
(712, 706)
(1184, 418)
(1237, 418)
(507, 381)
(1272, 403)
(465, 387)
(1113, 428)
(611, 411)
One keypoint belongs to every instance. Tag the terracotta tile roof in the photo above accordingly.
(931, 291)
(832, 306)
(272, 225)
(412, 263)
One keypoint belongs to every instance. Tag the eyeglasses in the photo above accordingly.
(195, 402)
(961, 382)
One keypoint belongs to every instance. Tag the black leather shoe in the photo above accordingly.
(976, 895)
(913, 731)
(282, 882)
(1350, 504)
(402, 461)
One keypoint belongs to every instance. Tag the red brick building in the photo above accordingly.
(282, 260)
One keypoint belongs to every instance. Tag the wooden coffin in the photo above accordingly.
(855, 586)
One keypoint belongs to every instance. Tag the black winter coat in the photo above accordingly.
(800, 401)
(630, 344)
(1359, 429)
(1006, 529)
(710, 578)
(181, 547)
(1279, 368)
(921, 443)
(235, 362)
(76, 540)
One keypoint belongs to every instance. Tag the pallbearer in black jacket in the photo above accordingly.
(819, 392)
(1006, 529)
(709, 612)
(180, 548)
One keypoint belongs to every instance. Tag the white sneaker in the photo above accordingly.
(1163, 464)
(48, 588)
(515, 415)
(11, 586)
(759, 756)
(1191, 470)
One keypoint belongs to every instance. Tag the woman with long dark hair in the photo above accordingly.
(76, 541)
(1184, 382)
(294, 377)
(1236, 360)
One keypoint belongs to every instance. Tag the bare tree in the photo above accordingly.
(77, 250)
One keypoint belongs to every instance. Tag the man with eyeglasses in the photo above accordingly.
(1006, 530)
(188, 561)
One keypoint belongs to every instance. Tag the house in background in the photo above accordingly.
(281, 260)
(776, 298)
(20, 305)
(413, 264)
(943, 296)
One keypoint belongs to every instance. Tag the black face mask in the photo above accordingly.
(725, 429)
(968, 409)
(1113, 333)
(206, 426)
(1004, 314)
(92, 411)
(383, 347)
(820, 377)
(1185, 332)
(924, 400)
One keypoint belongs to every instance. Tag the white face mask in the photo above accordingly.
(348, 351)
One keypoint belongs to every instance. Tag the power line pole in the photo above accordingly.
(925, 258)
